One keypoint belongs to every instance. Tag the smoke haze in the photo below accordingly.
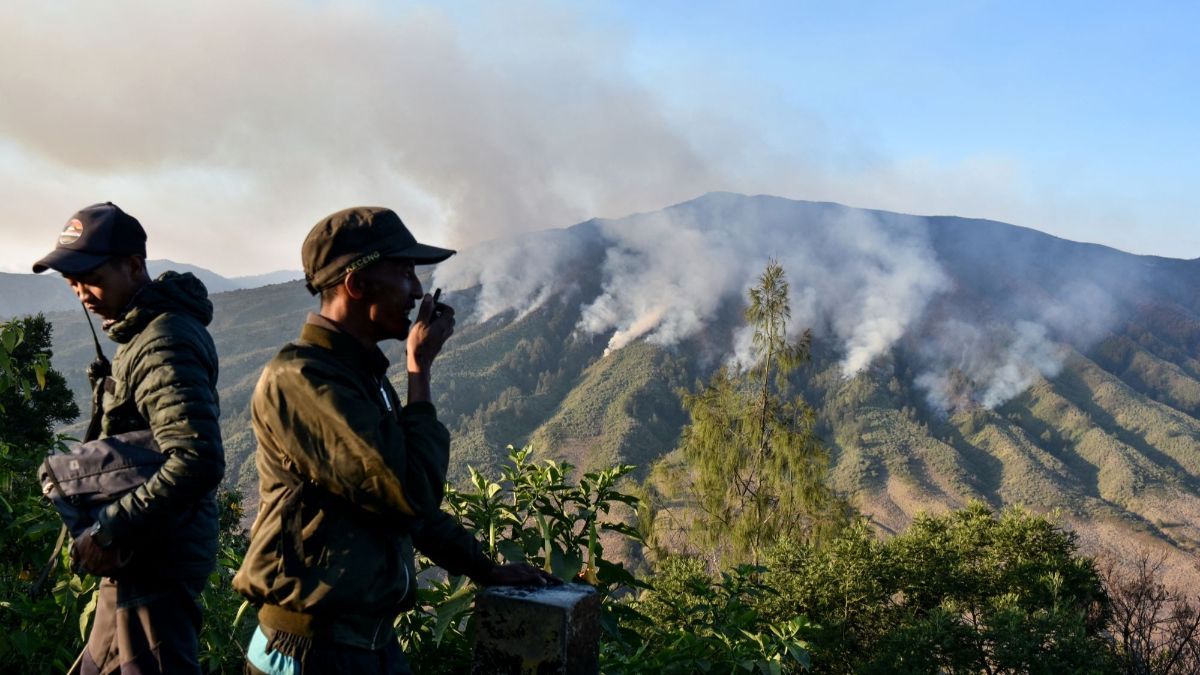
(970, 365)
(229, 128)
(275, 113)
(862, 280)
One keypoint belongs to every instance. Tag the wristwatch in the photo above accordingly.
(100, 535)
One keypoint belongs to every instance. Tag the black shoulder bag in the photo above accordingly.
(82, 481)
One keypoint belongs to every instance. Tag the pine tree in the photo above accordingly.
(760, 470)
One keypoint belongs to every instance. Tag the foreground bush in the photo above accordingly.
(45, 608)
(534, 513)
(968, 591)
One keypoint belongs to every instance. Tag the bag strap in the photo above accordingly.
(97, 371)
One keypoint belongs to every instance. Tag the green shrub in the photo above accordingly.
(968, 591)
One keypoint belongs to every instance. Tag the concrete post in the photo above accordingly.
(542, 631)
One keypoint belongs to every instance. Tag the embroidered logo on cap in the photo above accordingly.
(363, 261)
(71, 232)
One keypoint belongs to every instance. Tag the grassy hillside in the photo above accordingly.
(1110, 441)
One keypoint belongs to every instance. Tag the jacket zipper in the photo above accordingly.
(378, 627)
(387, 401)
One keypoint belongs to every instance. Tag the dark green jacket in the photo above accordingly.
(165, 379)
(348, 482)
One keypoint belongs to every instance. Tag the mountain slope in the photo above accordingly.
(955, 359)
(22, 294)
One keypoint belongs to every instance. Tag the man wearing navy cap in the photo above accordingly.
(156, 545)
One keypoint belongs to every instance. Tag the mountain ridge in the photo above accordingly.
(955, 359)
(22, 294)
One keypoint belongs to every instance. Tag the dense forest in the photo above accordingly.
(747, 560)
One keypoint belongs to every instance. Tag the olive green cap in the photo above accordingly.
(354, 238)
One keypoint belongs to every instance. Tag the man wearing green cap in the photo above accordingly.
(156, 545)
(349, 480)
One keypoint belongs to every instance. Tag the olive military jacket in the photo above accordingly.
(348, 482)
(164, 378)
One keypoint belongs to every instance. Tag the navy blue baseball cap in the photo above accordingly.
(91, 237)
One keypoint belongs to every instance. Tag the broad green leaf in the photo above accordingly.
(565, 565)
(9, 339)
(451, 609)
(511, 550)
(85, 616)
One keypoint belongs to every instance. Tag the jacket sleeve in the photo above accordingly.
(174, 391)
(336, 435)
(451, 546)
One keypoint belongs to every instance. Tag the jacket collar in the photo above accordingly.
(323, 332)
(171, 292)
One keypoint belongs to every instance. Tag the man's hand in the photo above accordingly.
(87, 556)
(433, 326)
(519, 574)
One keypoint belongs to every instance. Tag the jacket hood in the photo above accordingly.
(170, 292)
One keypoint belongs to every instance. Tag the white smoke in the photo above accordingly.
(664, 278)
(968, 364)
(974, 366)
(893, 275)
(230, 128)
(860, 277)
(520, 273)
(1080, 309)
(1030, 354)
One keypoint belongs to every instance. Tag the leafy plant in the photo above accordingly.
(226, 631)
(45, 608)
(683, 622)
(44, 622)
(534, 513)
(690, 622)
(968, 591)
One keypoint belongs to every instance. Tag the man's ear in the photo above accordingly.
(134, 266)
(355, 285)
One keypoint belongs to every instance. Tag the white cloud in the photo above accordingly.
(236, 125)
(230, 127)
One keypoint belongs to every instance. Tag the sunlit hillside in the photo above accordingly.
(1002, 364)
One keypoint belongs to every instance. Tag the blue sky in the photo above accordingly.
(1087, 100)
(229, 127)
(1035, 79)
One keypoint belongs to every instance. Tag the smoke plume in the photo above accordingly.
(864, 278)
(237, 126)
(970, 366)
(860, 279)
